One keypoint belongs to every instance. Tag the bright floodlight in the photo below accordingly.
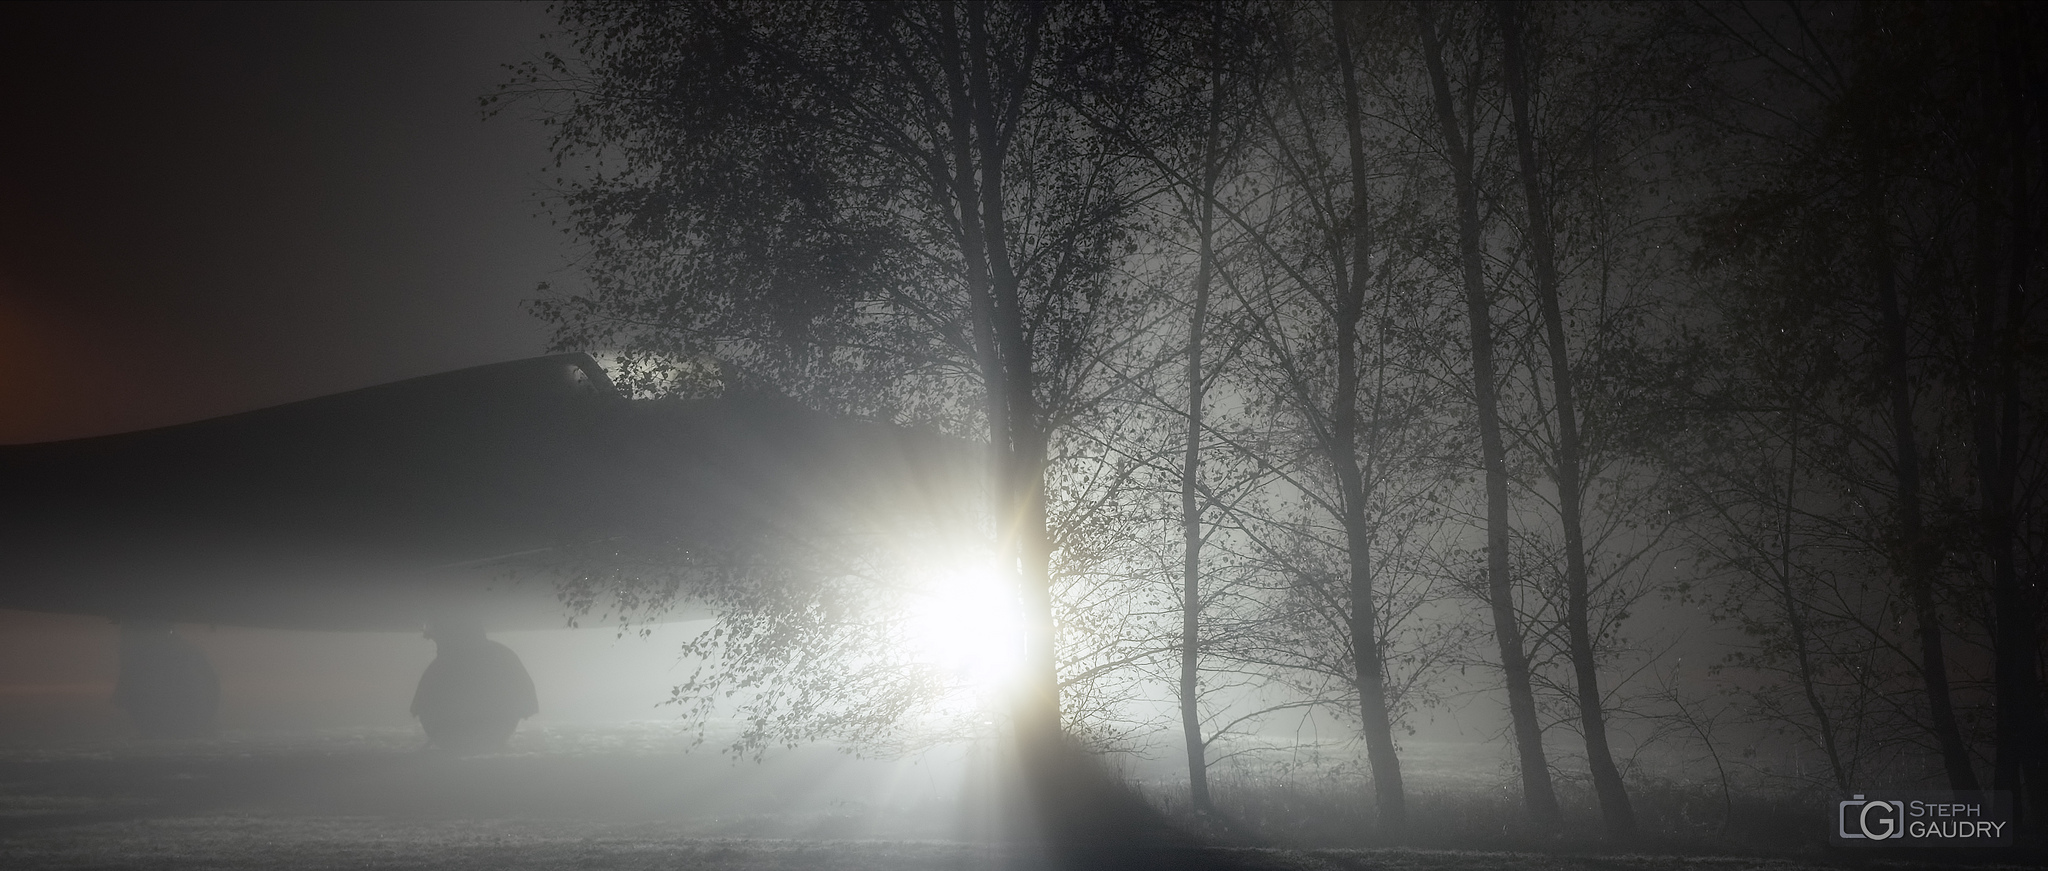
(965, 621)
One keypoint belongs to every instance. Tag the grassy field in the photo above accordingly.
(627, 797)
(270, 842)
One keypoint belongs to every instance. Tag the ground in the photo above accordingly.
(623, 797)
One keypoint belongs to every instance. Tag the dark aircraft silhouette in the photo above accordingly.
(434, 501)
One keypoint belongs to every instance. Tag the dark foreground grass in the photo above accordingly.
(1688, 826)
(1677, 817)
(317, 844)
(590, 801)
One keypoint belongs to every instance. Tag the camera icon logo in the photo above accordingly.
(1872, 820)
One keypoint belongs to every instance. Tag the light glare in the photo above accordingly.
(966, 623)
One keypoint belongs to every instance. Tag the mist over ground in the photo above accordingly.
(1434, 434)
(316, 759)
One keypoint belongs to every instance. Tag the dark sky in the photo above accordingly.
(215, 207)
(207, 208)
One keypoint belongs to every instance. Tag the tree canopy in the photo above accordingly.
(1325, 357)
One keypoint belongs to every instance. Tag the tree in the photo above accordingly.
(1566, 464)
(1210, 283)
(1296, 253)
(1458, 146)
(1585, 91)
(2001, 420)
(1905, 122)
(1314, 236)
(878, 207)
(1210, 174)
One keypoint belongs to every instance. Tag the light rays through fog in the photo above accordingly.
(965, 621)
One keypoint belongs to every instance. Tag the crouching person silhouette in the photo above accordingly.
(166, 685)
(475, 691)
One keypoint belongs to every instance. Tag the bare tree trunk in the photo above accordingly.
(1996, 417)
(1016, 443)
(1191, 466)
(1368, 667)
(1795, 613)
(1537, 794)
(1917, 553)
(1607, 783)
(1191, 560)
(993, 117)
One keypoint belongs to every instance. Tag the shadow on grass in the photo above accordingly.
(1331, 823)
(244, 804)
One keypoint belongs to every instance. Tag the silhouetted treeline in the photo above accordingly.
(1331, 354)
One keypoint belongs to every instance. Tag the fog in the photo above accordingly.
(315, 724)
(1077, 435)
(58, 675)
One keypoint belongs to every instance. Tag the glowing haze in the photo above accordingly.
(965, 620)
